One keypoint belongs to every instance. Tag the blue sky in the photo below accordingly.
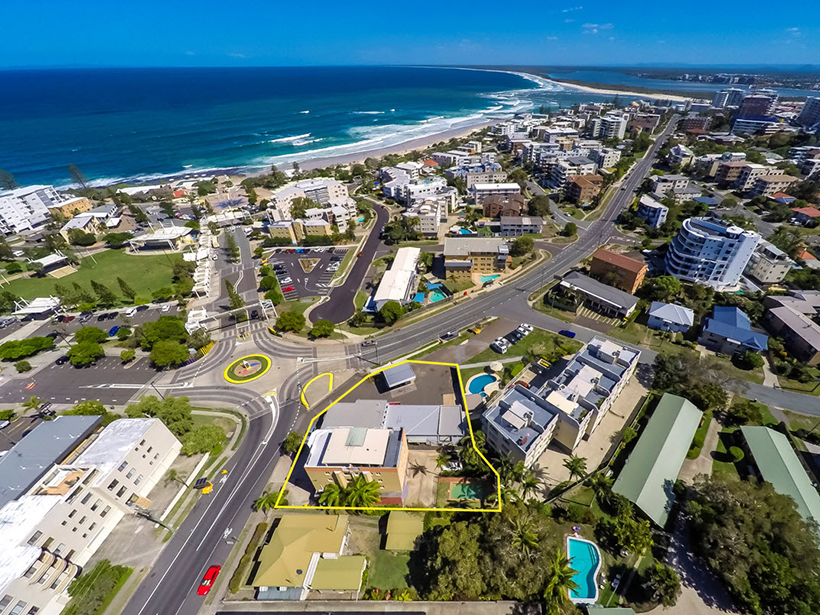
(41, 33)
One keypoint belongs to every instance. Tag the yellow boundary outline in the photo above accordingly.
(255, 376)
(389, 508)
(308, 383)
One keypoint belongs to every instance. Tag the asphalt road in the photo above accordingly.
(339, 307)
(170, 589)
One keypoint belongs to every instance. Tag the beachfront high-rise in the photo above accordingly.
(23, 209)
(710, 252)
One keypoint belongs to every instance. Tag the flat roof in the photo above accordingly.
(653, 467)
(355, 446)
(394, 285)
(498, 186)
(48, 443)
(779, 465)
(398, 375)
(464, 246)
(107, 451)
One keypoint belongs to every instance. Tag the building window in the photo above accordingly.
(96, 505)
(121, 491)
(131, 473)
(64, 522)
(30, 572)
(72, 513)
(33, 611)
(105, 511)
(123, 465)
(82, 520)
(138, 480)
(142, 442)
(34, 538)
(150, 448)
(18, 608)
(92, 526)
(88, 478)
(5, 602)
(113, 485)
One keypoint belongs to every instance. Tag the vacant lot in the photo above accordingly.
(143, 273)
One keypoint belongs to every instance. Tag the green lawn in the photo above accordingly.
(540, 341)
(576, 213)
(457, 287)
(225, 423)
(800, 421)
(143, 273)
(360, 299)
(553, 311)
(727, 367)
(725, 468)
(343, 266)
(388, 570)
(809, 388)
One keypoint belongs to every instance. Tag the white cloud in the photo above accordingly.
(568, 20)
(607, 26)
(590, 25)
(792, 29)
(575, 8)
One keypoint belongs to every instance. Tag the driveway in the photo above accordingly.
(340, 306)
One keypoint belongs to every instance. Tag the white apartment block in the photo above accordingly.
(769, 264)
(665, 183)
(399, 282)
(324, 191)
(482, 191)
(413, 169)
(551, 134)
(65, 488)
(429, 215)
(605, 157)
(484, 177)
(710, 252)
(23, 209)
(568, 167)
(610, 126)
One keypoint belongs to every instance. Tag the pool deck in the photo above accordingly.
(593, 599)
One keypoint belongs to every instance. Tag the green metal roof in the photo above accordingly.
(339, 574)
(653, 467)
(778, 464)
(402, 530)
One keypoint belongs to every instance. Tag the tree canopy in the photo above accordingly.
(322, 328)
(169, 328)
(290, 321)
(174, 412)
(391, 312)
(90, 334)
(169, 352)
(202, 439)
(84, 353)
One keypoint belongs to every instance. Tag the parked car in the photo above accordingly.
(113, 330)
(254, 314)
(525, 327)
(142, 308)
(335, 259)
(288, 289)
(500, 345)
(68, 319)
(285, 281)
(111, 315)
(166, 307)
(130, 312)
(566, 333)
(62, 360)
(53, 335)
(208, 580)
(85, 318)
(450, 335)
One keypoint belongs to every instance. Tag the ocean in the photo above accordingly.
(138, 125)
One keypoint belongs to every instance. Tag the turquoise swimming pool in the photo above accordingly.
(465, 231)
(360, 219)
(467, 491)
(436, 295)
(477, 384)
(585, 558)
(487, 278)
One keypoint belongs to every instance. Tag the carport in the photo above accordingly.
(399, 375)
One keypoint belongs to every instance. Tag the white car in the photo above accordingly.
(333, 267)
(285, 281)
(131, 312)
(525, 328)
(166, 307)
(500, 345)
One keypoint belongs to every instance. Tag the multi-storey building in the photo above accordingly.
(769, 264)
(710, 252)
(324, 191)
(581, 189)
(694, 123)
(810, 114)
(749, 173)
(770, 185)
(564, 409)
(64, 489)
(429, 215)
(399, 282)
(568, 167)
(605, 157)
(617, 270)
(483, 191)
(681, 155)
(484, 177)
(504, 205)
(651, 211)
(758, 105)
(23, 209)
(728, 171)
(665, 183)
(610, 126)
(70, 207)
(517, 226)
(465, 256)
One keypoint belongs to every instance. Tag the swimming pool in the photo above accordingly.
(465, 231)
(487, 278)
(436, 295)
(477, 383)
(466, 491)
(360, 219)
(585, 558)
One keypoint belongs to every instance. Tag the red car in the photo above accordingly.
(287, 289)
(208, 580)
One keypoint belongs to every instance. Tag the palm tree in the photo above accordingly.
(173, 476)
(559, 583)
(33, 403)
(529, 484)
(602, 486)
(576, 465)
(524, 539)
(442, 460)
(362, 493)
(268, 500)
(332, 495)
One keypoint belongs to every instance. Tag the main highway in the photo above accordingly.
(202, 539)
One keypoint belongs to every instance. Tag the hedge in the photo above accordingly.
(241, 572)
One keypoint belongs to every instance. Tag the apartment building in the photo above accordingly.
(484, 177)
(565, 409)
(64, 489)
(70, 207)
(757, 106)
(324, 191)
(651, 211)
(810, 114)
(340, 454)
(681, 155)
(605, 157)
(749, 173)
(465, 256)
(483, 191)
(292, 230)
(756, 126)
(731, 97)
(694, 123)
(564, 169)
(399, 282)
(770, 185)
(710, 252)
(728, 172)
(617, 270)
(23, 209)
(429, 214)
(792, 318)
(643, 121)
(517, 226)
(413, 169)
(504, 205)
(610, 126)
(665, 183)
(581, 189)
(769, 264)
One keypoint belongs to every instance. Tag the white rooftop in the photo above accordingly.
(108, 450)
(351, 446)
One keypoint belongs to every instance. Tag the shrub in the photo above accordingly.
(128, 355)
(20, 349)
(22, 366)
(93, 589)
(202, 439)
(90, 334)
(239, 576)
(737, 453)
(748, 360)
(290, 321)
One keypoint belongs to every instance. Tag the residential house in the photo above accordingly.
(681, 155)
(792, 318)
(729, 331)
(504, 205)
(82, 223)
(649, 474)
(564, 409)
(670, 317)
(806, 215)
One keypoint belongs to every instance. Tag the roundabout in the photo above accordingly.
(247, 369)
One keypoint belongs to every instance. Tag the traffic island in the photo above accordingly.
(247, 369)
